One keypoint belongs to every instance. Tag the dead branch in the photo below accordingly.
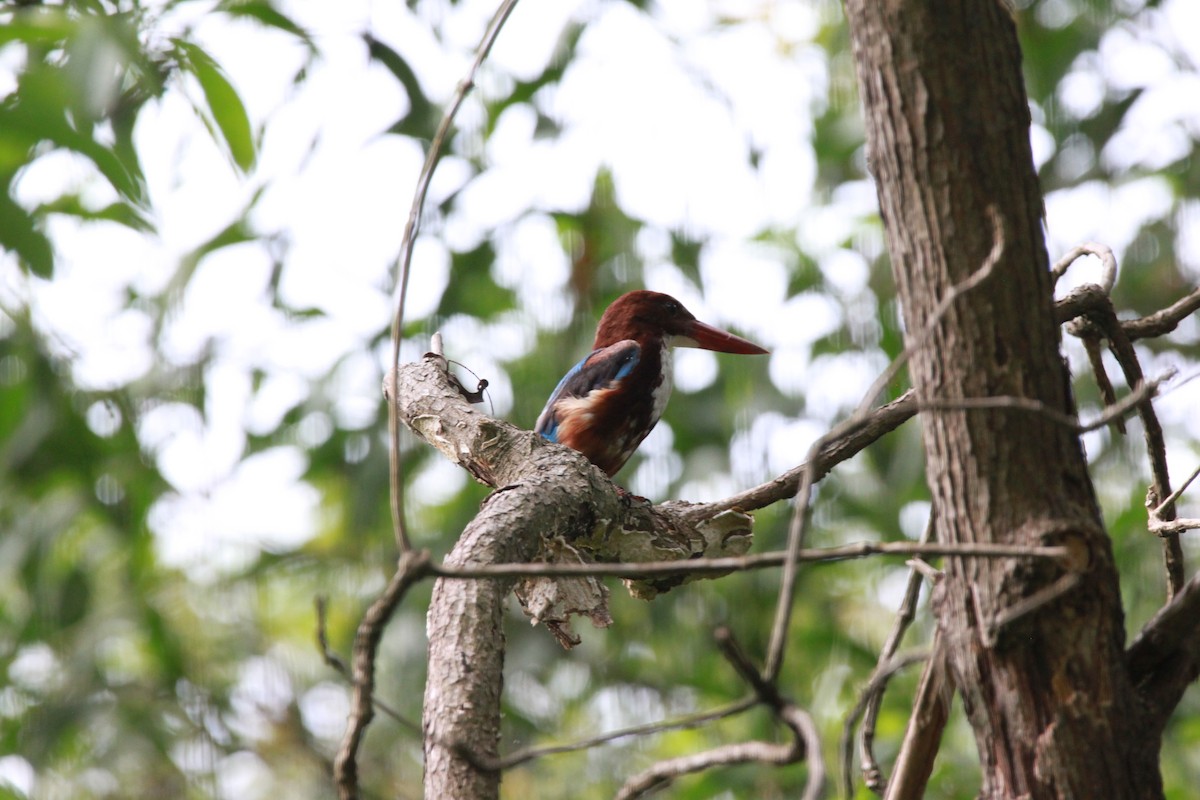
(413, 567)
(805, 741)
(1142, 393)
(404, 257)
(1085, 298)
(342, 668)
(1160, 525)
(660, 775)
(650, 729)
(1101, 251)
(871, 697)
(1097, 318)
(854, 439)
(1164, 659)
(1160, 323)
(774, 558)
(1091, 340)
(797, 527)
(593, 523)
(923, 735)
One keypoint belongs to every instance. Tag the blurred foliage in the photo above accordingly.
(124, 676)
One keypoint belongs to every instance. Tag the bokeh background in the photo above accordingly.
(203, 204)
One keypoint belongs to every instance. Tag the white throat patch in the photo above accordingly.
(662, 392)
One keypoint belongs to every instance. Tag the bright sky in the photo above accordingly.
(638, 98)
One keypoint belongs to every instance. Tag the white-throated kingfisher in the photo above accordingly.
(607, 404)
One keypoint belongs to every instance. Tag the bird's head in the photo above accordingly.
(648, 316)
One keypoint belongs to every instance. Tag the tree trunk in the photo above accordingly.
(1036, 653)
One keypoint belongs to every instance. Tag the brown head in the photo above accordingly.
(646, 316)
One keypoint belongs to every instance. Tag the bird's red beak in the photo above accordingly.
(706, 337)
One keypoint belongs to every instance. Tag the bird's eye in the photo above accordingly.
(672, 307)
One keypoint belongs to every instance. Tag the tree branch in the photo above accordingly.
(805, 740)
(404, 258)
(549, 500)
(923, 736)
(872, 695)
(1164, 659)
(869, 697)
(342, 668)
(413, 566)
(1099, 318)
(634, 539)
(881, 421)
(649, 729)
(1089, 297)
(776, 558)
(1160, 323)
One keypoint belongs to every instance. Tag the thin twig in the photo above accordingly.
(1160, 323)
(1027, 605)
(1123, 407)
(404, 258)
(872, 698)
(1108, 278)
(939, 311)
(805, 741)
(331, 658)
(412, 567)
(874, 689)
(766, 691)
(649, 729)
(775, 558)
(1161, 526)
(922, 735)
(853, 440)
(920, 565)
(1092, 345)
(339, 665)
(1173, 527)
(1100, 318)
(806, 745)
(1175, 495)
(798, 524)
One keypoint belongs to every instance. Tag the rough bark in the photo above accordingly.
(545, 494)
(1047, 693)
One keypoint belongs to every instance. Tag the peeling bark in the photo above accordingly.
(549, 501)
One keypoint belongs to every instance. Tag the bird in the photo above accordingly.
(610, 401)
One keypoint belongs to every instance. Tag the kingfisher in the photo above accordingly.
(608, 402)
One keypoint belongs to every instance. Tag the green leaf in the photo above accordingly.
(421, 117)
(121, 213)
(19, 233)
(40, 114)
(472, 290)
(224, 103)
(267, 15)
(237, 232)
(37, 26)
(74, 598)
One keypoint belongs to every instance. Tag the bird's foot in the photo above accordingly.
(630, 498)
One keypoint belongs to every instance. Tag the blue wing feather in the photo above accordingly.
(599, 370)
